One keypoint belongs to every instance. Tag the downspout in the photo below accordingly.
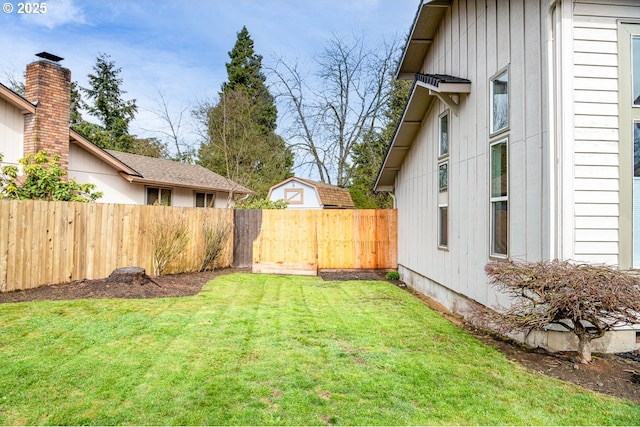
(551, 248)
(393, 196)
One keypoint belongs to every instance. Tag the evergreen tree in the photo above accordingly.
(108, 106)
(245, 73)
(368, 155)
(76, 105)
(241, 143)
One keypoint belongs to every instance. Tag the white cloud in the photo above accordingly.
(58, 13)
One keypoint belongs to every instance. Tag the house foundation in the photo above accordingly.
(553, 339)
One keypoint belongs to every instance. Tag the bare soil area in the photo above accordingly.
(616, 375)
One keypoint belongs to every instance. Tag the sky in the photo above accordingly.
(179, 47)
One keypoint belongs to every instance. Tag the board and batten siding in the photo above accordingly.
(11, 133)
(596, 187)
(476, 40)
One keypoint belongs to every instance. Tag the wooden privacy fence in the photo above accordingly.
(303, 241)
(52, 242)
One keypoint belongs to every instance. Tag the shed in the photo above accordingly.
(300, 193)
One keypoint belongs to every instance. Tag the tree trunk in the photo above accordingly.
(134, 276)
(584, 349)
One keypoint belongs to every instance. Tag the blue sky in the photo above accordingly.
(180, 47)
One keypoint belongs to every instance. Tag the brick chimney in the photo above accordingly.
(48, 85)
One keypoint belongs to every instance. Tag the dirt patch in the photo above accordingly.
(173, 285)
(342, 275)
(608, 373)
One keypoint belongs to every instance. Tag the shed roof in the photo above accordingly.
(330, 196)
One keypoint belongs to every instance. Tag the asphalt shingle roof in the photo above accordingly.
(177, 174)
(330, 195)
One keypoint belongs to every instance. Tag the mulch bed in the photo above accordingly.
(616, 375)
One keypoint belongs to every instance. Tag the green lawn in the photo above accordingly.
(264, 350)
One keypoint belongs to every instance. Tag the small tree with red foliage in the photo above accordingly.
(585, 299)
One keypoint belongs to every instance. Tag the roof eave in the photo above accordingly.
(101, 154)
(16, 100)
(140, 180)
(423, 29)
(421, 98)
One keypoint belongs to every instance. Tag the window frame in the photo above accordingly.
(628, 113)
(207, 204)
(442, 194)
(443, 203)
(160, 190)
(443, 229)
(633, 76)
(294, 195)
(494, 200)
(444, 115)
(443, 165)
(506, 127)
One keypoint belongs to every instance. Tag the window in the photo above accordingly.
(499, 199)
(500, 102)
(636, 195)
(444, 135)
(294, 196)
(635, 70)
(158, 196)
(205, 200)
(443, 177)
(443, 229)
(443, 181)
(636, 149)
(443, 204)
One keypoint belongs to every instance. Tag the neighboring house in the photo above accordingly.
(301, 193)
(521, 140)
(40, 121)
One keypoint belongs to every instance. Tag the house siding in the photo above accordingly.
(11, 133)
(85, 167)
(597, 174)
(469, 44)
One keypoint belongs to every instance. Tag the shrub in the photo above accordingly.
(393, 275)
(261, 204)
(43, 179)
(169, 239)
(585, 299)
(215, 240)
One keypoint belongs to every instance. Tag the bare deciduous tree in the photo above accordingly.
(173, 129)
(237, 147)
(585, 299)
(332, 111)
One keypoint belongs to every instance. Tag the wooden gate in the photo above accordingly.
(246, 228)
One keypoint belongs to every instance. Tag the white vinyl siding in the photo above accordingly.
(597, 156)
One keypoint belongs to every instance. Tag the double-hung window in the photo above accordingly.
(499, 199)
(443, 181)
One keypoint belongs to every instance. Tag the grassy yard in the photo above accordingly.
(264, 350)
